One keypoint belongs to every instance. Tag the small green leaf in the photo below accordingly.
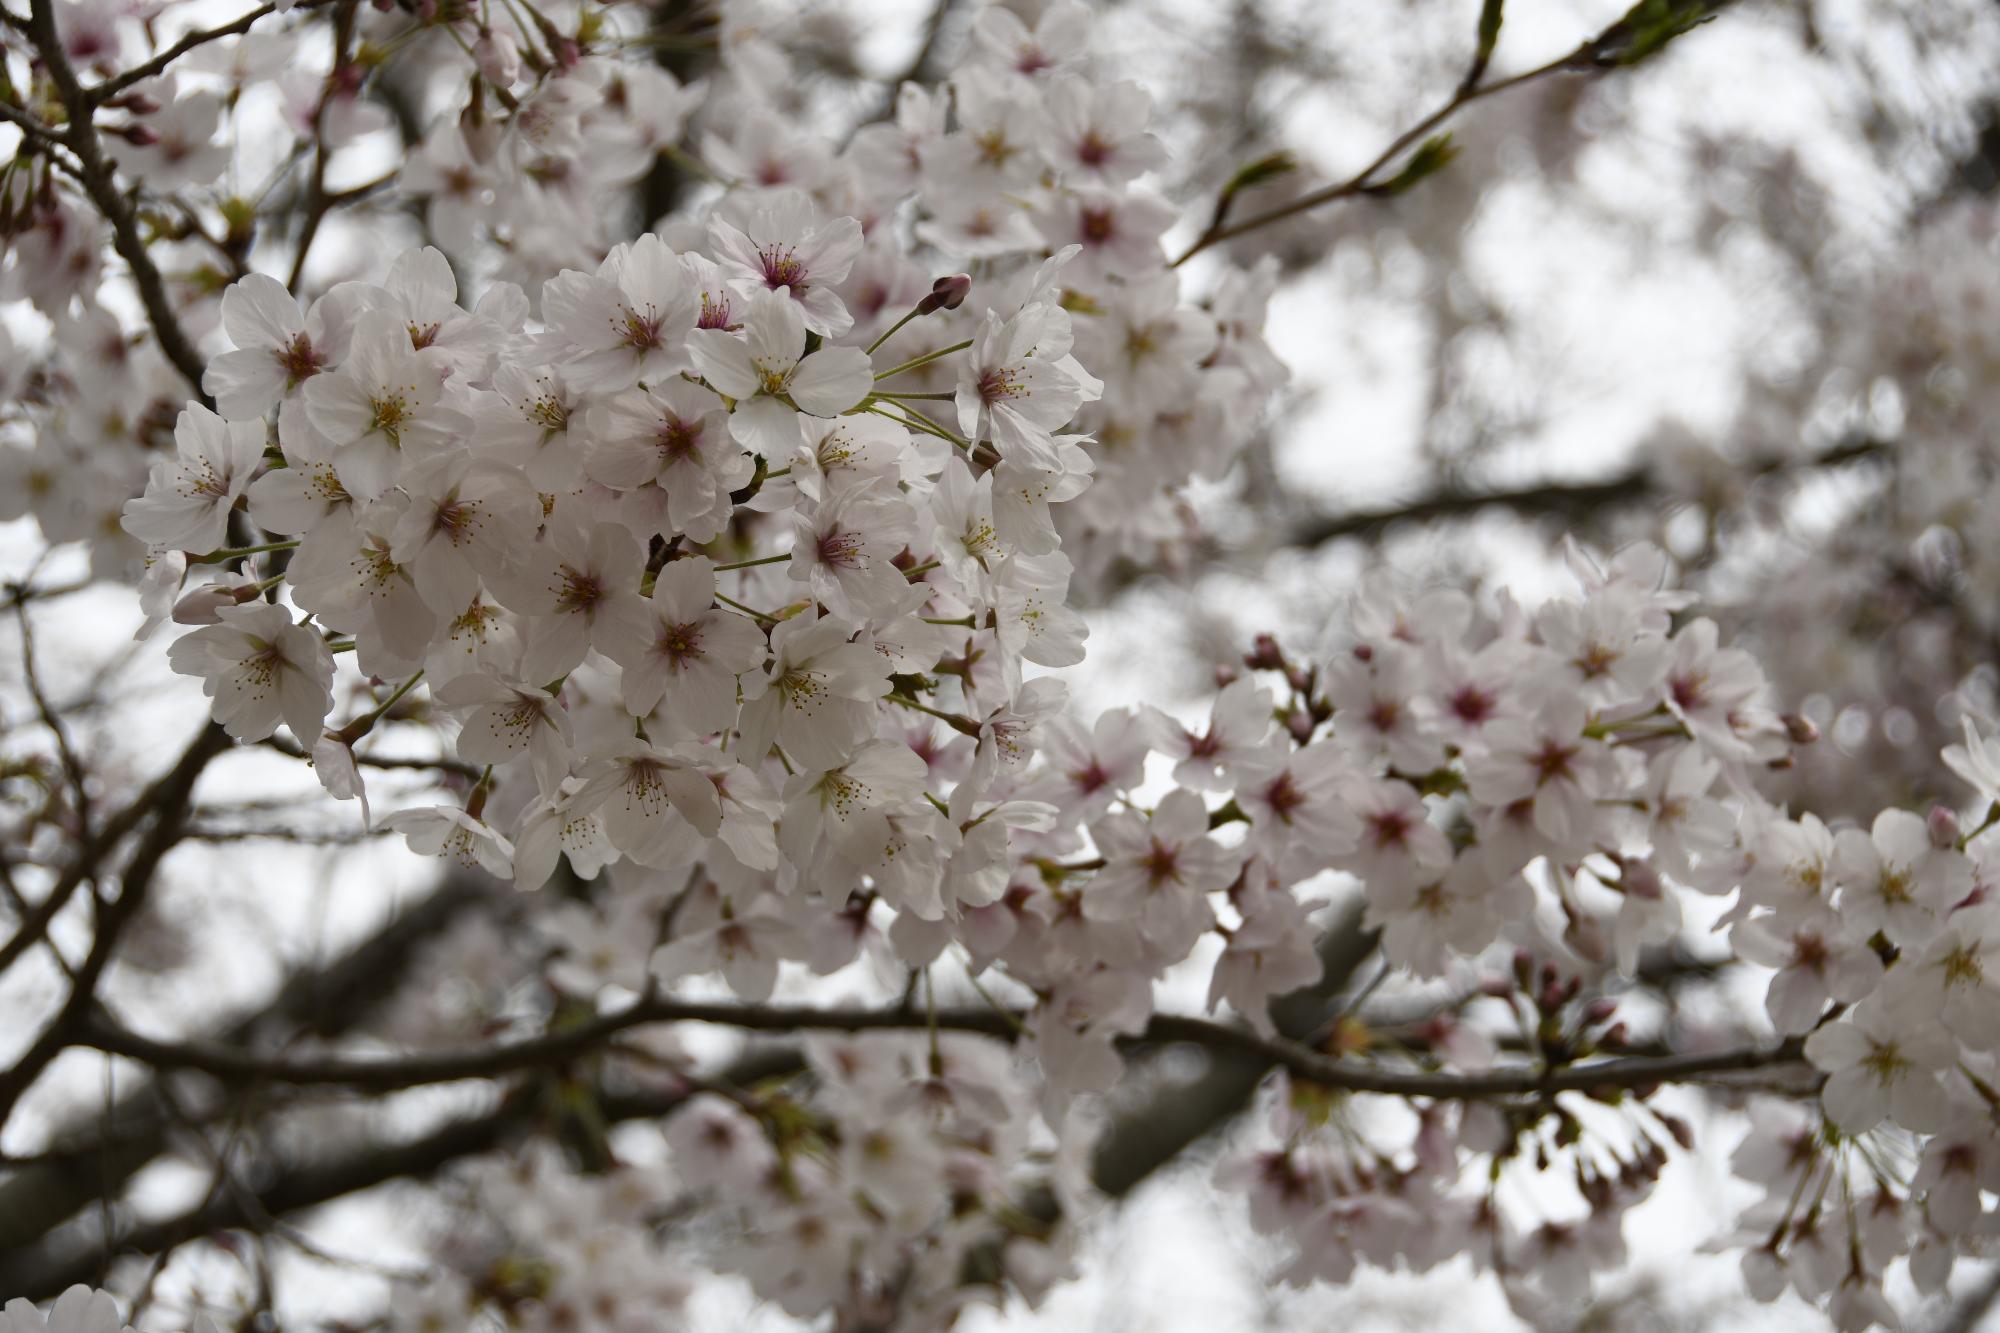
(1266, 168)
(1648, 26)
(1432, 156)
(1489, 32)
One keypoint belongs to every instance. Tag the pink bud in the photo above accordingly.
(1264, 654)
(498, 58)
(946, 294)
(139, 136)
(1943, 825)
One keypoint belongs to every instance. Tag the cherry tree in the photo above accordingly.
(664, 482)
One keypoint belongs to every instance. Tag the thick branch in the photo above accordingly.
(47, 1269)
(557, 1048)
(1142, 1140)
(95, 1158)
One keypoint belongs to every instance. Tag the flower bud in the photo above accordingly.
(1264, 654)
(1942, 822)
(199, 605)
(946, 294)
(498, 58)
(139, 136)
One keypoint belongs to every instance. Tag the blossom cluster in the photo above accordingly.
(732, 566)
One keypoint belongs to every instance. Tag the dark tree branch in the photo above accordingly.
(95, 173)
(43, 1270)
(1142, 1140)
(1573, 501)
(168, 813)
(99, 1155)
(556, 1049)
(99, 93)
(175, 785)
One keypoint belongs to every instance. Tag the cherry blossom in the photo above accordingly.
(189, 496)
(731, 558)
(259, 669)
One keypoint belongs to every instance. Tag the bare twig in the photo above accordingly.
(1568, 500)
(167, 810)
(1588, 58)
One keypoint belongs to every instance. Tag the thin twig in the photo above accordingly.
(1587, 58)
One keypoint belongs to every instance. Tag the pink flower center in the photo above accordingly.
(300, 361)
(1391, 828)
(1552, 761)
(782, 268)
(997, 384)
(641, 332)
(1472, 705)
(678, 439)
